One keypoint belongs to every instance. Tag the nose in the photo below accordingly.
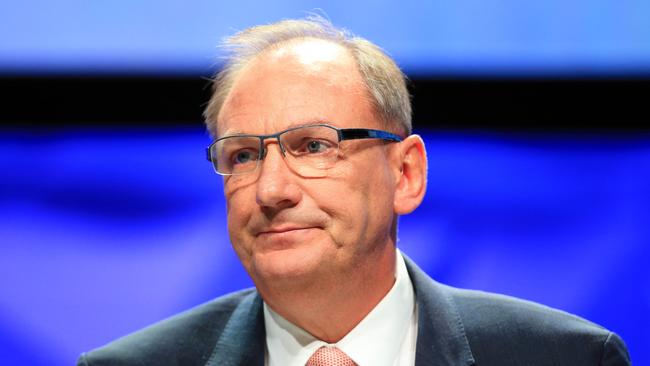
(276, 185)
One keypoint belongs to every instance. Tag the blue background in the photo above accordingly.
(106, 230)
(463, 37)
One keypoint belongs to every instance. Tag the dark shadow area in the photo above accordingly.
(563, 104)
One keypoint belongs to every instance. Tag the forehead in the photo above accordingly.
(299, 82)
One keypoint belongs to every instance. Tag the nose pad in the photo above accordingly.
(265, 150)
(282, 150)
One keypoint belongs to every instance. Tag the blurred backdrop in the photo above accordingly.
(535, 117)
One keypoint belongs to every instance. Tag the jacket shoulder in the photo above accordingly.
(184, 339)
(503, 330)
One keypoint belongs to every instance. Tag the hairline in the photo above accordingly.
(396, 118)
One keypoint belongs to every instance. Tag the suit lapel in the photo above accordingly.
(441, 336)
(243, 339)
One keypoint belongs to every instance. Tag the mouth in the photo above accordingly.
(285, 230)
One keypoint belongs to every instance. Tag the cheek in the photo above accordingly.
(239, 208)
(372, 196)
(240, 239)
(240, 195)
(348, 198)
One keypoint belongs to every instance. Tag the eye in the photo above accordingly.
(310, 142)
(316, 146)
(242, 157)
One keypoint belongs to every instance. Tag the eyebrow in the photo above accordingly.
(311, 122)
(316, 121)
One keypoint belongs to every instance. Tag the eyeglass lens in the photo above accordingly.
(309, 150)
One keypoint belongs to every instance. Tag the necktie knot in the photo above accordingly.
(330, 356)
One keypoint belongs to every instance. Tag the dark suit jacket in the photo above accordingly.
(455, 327)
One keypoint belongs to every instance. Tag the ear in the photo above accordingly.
(412, 181)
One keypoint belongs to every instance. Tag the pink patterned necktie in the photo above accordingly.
(329, 356)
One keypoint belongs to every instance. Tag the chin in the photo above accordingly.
(295, 265)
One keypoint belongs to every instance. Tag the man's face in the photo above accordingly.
(296, 230)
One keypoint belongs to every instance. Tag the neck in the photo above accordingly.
(331, 307)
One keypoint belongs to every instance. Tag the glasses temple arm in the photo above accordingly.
(364, 133)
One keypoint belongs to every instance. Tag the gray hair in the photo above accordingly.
(381, 75)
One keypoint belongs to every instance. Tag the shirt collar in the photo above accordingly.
(376, 340)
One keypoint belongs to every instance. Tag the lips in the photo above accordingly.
(286, 222)
(284, 230)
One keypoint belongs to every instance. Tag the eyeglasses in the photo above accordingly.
(309, 150)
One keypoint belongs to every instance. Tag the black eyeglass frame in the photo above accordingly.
(343, 134)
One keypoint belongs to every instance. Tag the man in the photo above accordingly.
(313, 137)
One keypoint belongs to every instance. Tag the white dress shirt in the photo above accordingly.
(386, 336)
